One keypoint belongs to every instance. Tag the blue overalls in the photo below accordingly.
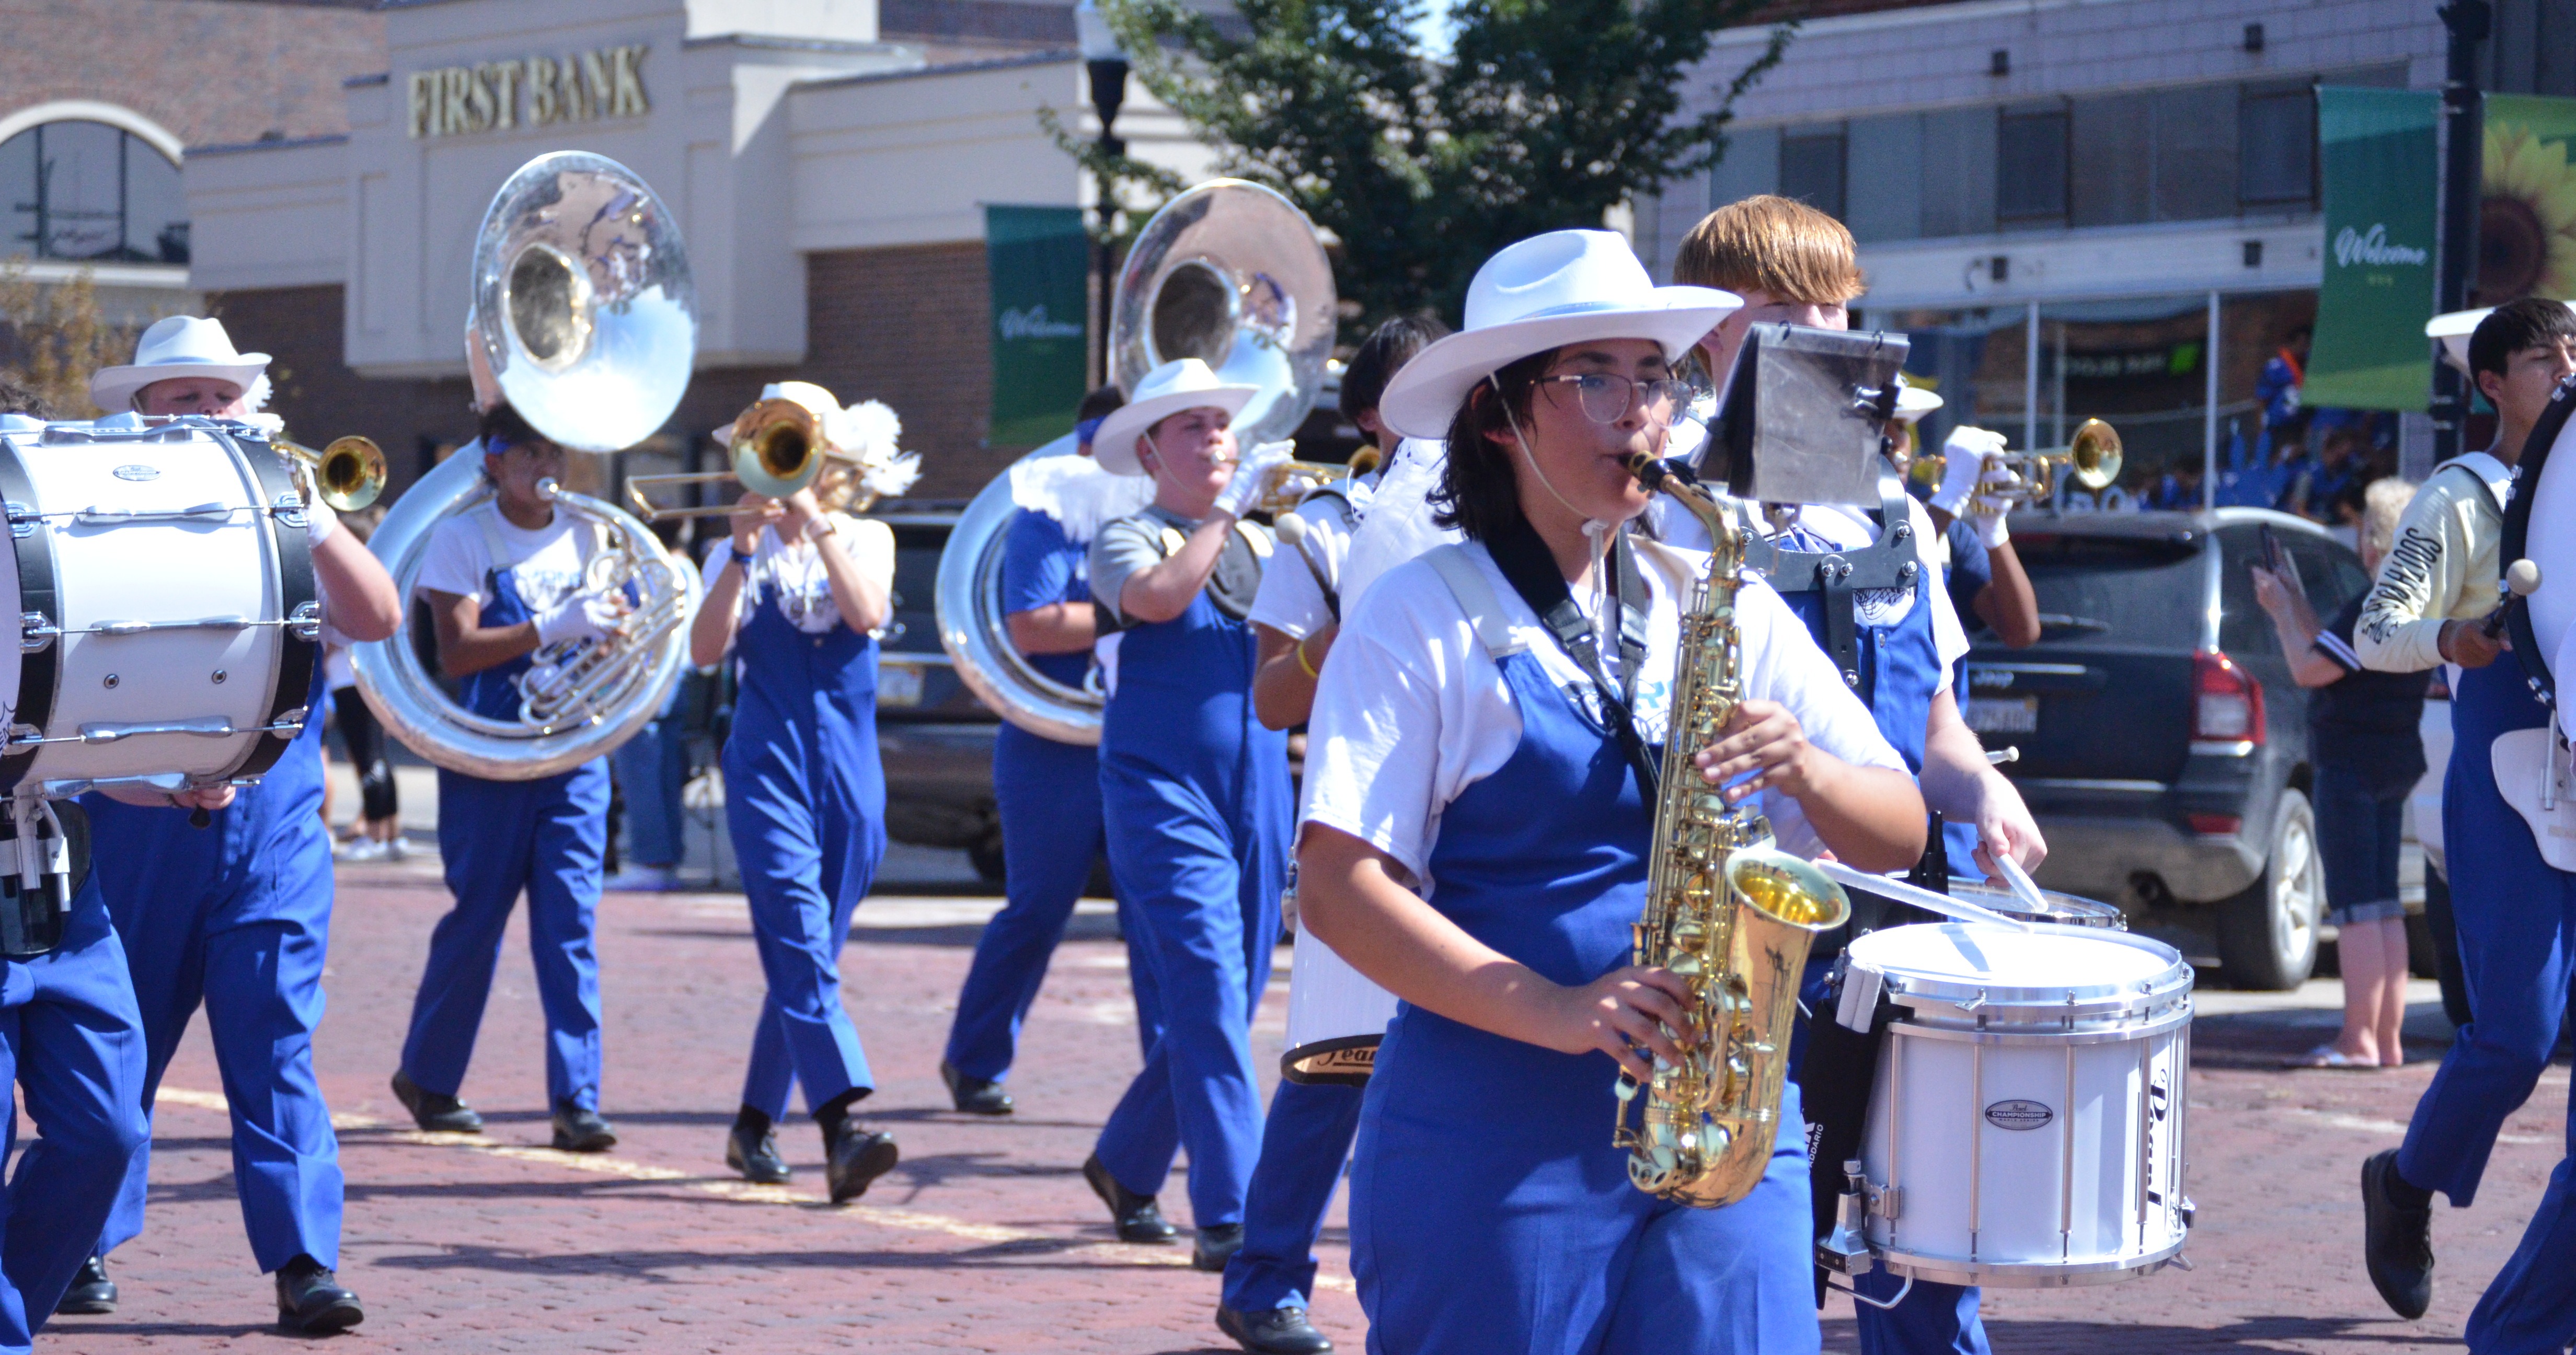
(1489, 1211)
(805, 800)
(1196, 802)
(237, 916)
(1902, 673)
(548, 837)
(1048, 796)
(70, 1032)
(2517, 923)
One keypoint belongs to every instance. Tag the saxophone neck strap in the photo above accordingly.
(1531, 569)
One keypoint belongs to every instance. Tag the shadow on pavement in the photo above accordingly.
(1047, 1251)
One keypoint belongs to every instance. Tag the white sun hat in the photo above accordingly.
(2453, 328)
(1542, 293)
(1183, 383)
(1913, 402)
(176, 346)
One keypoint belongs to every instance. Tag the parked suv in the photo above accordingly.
(935, 737)
(2163, 744)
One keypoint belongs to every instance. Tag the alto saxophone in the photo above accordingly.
(1725, 911)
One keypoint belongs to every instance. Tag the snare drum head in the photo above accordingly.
(1963, 959)
(2065, 909)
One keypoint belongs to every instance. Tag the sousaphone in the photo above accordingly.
(584, 310)
(1230, 273)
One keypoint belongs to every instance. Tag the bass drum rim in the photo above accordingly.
(966, 603)
(2554, 427)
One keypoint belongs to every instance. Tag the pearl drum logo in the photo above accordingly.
(137, 474)
(2019, 1115)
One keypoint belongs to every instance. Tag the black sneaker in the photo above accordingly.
(1138, 1218)
(581, 1130)
(756, 1157)
(92, 1294)
(434, 1111)
(858, 1157)
(310, 1299)
(1216, 1245)
(974, 1095)
(2397, 1240)
(1280, 1331)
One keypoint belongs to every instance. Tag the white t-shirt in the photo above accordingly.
(547, 561)
(1291, 601)
(796, 570)
(1412, 710)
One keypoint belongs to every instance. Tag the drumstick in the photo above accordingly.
(2021, 884)
(2521, 580)
(1920, 898)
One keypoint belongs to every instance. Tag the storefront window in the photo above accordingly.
(89, 192)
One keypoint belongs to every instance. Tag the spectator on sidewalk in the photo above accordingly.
(2362, 733)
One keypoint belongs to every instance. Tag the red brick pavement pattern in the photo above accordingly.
(986, 1239)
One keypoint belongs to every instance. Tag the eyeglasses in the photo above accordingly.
(1605, 397)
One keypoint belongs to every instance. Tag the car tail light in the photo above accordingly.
(2214, 825)
(2227, 701)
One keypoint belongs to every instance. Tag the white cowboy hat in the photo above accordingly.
(1542, 293)
(176, 346)
(2453, 328)
(1184, 383)
(1913, 402)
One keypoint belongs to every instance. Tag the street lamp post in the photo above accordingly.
(1106, 62)
(2463, 137)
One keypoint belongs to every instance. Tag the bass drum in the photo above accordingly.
(2540, 526)
(167, 623)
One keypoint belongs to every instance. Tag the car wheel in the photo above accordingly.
(986, 858)
(2267, 936)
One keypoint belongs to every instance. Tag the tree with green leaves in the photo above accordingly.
(1544, 114)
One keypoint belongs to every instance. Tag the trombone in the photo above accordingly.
(777, 449)
(347, 475)
(2091, 459)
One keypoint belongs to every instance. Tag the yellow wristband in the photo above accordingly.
(1302, 661)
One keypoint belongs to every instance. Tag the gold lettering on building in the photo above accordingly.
(459, 100)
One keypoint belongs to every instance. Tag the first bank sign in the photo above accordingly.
(537, 91)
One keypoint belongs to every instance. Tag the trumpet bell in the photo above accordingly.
(347, 475)
(2093, 455)
(583, 303)
(777, 448)
(1233, 274)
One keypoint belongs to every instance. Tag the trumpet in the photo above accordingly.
(347, 475)
(2091, 460)
(1287, 484)
(777, 449)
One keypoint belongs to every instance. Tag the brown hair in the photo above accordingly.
(1779, 246)
(1478, 493)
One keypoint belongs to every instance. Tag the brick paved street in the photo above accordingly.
(986, 1238)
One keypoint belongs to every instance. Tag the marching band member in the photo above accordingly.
(798, 597)
(2514, 911)
(1194, 792)
(1464, 747)
(236, 915)
(1979, 567)
(1308, 1133)
(1898, 647)
(502, 582)
(70, 1033)
(1047, 793)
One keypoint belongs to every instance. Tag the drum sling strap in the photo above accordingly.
(1889, 562)
(1531, 569)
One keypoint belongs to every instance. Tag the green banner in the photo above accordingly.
(1039, 260)
(2527, 219)
(2382, 174)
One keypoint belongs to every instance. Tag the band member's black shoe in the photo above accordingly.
(755, 1156)
(974, 1095)
(92, 1293)
(1139, 1219)
(1216, 1245)
(433, 1111)
(2397, 1238)
(579, 1130)
(1281, 1331)
(858, 1156)
(310, 1299)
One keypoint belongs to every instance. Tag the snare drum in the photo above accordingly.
(166, 618)
(1336, 1017)
(2026, 1124)
(2063, 909)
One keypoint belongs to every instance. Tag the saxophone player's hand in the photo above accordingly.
(1628, 1014)
(1762, 738)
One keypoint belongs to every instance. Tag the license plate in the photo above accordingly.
(898, 685)
(2003, 715)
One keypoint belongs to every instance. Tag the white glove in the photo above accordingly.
(319, 523)
(1971, 477)
(1241, 492)
(582, 616)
